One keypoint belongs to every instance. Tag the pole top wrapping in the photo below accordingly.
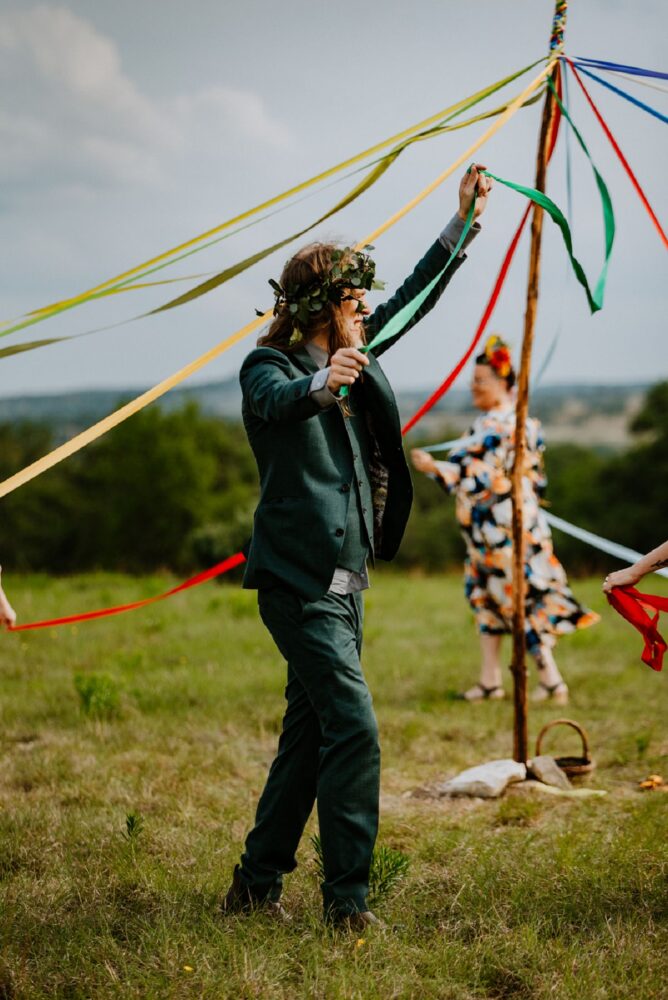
(558, 25)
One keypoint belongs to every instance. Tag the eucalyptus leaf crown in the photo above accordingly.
(349, 270)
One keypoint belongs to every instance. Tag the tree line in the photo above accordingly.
(177, 491)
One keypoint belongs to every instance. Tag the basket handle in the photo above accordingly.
(565, 722)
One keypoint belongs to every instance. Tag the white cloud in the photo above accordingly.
(79, 119)
(238, 111)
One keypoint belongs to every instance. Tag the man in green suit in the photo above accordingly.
(335, 492)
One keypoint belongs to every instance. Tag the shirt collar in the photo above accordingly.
(317, 353)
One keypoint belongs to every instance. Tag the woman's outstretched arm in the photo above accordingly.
(656, 559)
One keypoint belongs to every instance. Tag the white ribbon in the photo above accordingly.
(596, 541)
(621, 552)
(455, 443)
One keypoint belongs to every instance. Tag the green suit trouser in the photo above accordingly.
(328, 752)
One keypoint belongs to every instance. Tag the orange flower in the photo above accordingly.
(498, 355)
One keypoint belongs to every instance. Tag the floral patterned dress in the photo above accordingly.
(478, 473)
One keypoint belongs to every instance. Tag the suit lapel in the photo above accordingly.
(303, 360)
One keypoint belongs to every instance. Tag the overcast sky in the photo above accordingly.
(128, 127)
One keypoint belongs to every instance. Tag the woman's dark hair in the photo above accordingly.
(307, 267)
(509, 379)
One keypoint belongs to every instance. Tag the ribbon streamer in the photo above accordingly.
(378, 170)
(102, 427)
(631, 604)
(489, 309)
(496, 291)
(454, 443)
(222, 567)
(622, 158)
(134, 406)
(565, 296)
(595, 298)
(622, 552)
(216, 279)
(622, 93)
(140, 269)
(641, 83)
(621, 68)
(486, 316)
(397, 322)
(538, 197)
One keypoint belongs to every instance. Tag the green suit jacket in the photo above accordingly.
(306, 459)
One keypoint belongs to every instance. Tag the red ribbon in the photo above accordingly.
(208, 574)
(496, 291)
(239, 558)
(631, 604)
(624, 161)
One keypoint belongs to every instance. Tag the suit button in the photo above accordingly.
(297, 393)
(339, 532)
(364, 510)
(345, 488)
(360, 483)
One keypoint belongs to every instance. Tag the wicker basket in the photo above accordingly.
(572, 766)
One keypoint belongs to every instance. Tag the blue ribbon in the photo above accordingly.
(621, 68)
(622, 93)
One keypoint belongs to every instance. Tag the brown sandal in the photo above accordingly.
(481, 693)
(558, 693)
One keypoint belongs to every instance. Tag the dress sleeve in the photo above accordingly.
(475, 468)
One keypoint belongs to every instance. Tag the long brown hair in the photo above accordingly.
(308, 266)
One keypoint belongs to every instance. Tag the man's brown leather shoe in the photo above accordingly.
(239, 899)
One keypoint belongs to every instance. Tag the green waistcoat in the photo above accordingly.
(358, 538)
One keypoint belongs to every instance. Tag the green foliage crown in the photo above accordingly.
(350, 270)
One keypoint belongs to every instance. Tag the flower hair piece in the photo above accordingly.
(350, 269)
(498, 356)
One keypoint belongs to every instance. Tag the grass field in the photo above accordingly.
(171, 714)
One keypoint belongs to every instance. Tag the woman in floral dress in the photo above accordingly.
(478, 473)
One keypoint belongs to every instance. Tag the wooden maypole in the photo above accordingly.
(518, 667)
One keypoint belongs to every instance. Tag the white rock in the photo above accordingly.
(548, 771)
(486, 781)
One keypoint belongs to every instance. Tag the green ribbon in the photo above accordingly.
(595, 298)
(375, 174)
(379, 168)
(397, 322)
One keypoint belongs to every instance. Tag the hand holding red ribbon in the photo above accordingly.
(632, 604)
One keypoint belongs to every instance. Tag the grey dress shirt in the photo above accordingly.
(344, 581)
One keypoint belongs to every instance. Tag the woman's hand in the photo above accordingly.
(622, 578)
(345, 367)
(473, 182)
(423, 462)
(7, 613)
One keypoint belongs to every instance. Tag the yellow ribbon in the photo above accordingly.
(54, 307)
(512, 108)
(91, 434)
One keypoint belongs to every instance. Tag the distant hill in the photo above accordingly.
(588, 414)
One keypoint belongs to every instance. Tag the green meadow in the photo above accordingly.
(133, 750)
